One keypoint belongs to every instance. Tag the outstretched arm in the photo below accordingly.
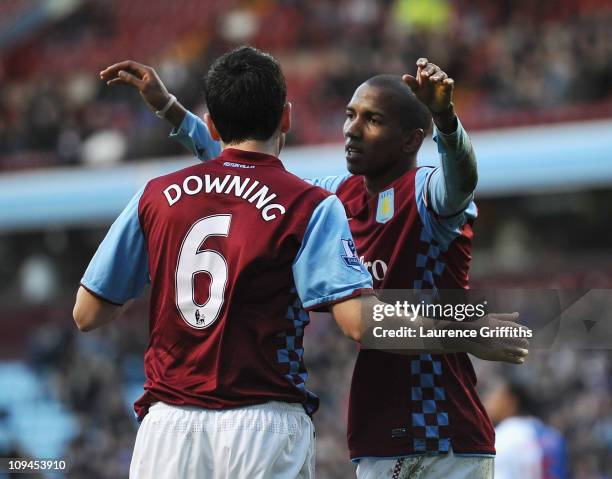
(152, 90)
(189, 130)
(355, 318)
(344, 287)
(450, 188)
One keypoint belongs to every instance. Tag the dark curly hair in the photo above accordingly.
(245, 92)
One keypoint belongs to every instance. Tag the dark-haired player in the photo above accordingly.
(526, 446)
(230, 248)
(413, 229)
(417, 223)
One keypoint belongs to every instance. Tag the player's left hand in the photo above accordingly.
(432, 86)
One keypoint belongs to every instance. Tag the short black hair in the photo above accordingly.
(245, 92)
(413, 113)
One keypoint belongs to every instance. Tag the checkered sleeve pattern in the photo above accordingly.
(430, 422)
(291, 353)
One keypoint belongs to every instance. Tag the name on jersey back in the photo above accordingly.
(252, 191)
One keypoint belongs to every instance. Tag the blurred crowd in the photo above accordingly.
(91, 376)
(571, 392)
(514, 62)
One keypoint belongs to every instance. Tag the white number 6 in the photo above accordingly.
(191, 261)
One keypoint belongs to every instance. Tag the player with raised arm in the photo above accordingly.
(417, 224)
(231, 249)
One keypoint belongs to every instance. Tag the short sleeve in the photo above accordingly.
(119, 269)
(327, 269)
(329, 183)
(193, 134)
(443, 229)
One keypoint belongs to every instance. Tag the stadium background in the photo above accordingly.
(532, 88)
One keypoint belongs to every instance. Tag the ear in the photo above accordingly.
(413, 140)
(282, 138)
(285, 124)
(214, 134)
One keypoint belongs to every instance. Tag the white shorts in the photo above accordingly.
(272, 440)
(443, 466)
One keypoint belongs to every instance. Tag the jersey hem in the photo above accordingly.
(470, 454)
(486, 452)
(356, 460)
(146, 405)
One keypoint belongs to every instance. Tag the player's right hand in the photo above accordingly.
(144, 78)
(512, 349)
(431, 85)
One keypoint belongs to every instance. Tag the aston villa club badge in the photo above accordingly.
(385, 210)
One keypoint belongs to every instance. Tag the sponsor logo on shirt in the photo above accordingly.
(350, 257)
(385, 209)
(377, 268)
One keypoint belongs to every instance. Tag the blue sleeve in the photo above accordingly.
(442, 229)
(327, 268)
(446, 193)
(329, 183)
(193, 134)
(119, 270)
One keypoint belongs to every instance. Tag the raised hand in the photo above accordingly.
(144, 78)
(431, 85)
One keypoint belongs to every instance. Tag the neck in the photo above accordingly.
(269, 147)
(376, 184)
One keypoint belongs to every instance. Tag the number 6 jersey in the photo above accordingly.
(236, 250)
